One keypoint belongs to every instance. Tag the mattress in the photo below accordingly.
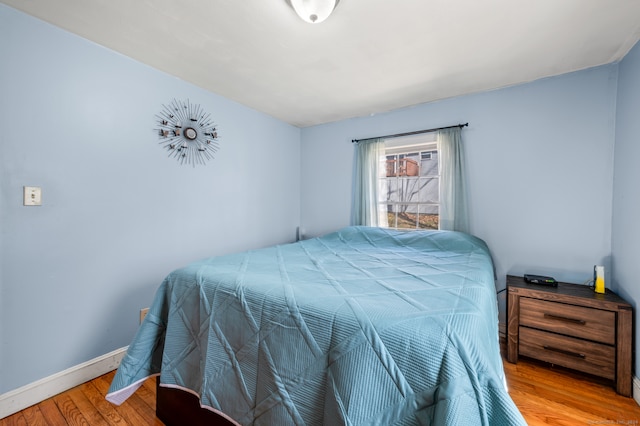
(362, 326)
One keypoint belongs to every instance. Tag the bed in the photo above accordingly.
(362, 326)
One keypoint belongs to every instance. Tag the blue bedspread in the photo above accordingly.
(364, 326)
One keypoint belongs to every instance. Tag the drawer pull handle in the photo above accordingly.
(571, 320)
(564, 351)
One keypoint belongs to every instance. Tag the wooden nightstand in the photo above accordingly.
(571, 326)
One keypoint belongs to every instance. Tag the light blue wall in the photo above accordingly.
(626, 185)
(540, 170)
(117, 215)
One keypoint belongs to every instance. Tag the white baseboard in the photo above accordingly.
(33, 393)
(636, 389)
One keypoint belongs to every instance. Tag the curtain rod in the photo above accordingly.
(417, 132)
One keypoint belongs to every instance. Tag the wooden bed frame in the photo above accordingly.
(176, 407)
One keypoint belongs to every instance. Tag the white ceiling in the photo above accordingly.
(370, 56)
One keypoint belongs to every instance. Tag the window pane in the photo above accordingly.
(391, 216)
(429, 166)
(407, 220)
(408, 164)
(409, 189)
(407, 216)
(391, 165)
(392, 192)
(429, 190)
(429, 218)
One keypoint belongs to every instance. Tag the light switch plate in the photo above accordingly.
(32, 196)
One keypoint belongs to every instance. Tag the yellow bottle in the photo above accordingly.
(599, 284)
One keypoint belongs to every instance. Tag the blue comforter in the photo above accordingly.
(364, 326)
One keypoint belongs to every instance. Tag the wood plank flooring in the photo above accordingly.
(544, 395)
(550, 395)
(85, 405)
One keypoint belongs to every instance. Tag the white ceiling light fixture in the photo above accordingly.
(313, 11)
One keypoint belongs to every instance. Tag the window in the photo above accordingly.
(410, 192)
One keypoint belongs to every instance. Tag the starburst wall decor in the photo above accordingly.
(187, 132)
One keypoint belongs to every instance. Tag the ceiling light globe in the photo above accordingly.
(313, 11)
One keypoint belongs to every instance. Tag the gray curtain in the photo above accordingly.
(453, 192)
(370, 157)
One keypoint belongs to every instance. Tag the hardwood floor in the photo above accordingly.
(544, 395)
(549, 395)
(85, 405)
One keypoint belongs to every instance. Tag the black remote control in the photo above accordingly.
(540, 279)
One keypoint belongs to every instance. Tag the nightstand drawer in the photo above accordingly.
(589, 357)
(578, 321)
